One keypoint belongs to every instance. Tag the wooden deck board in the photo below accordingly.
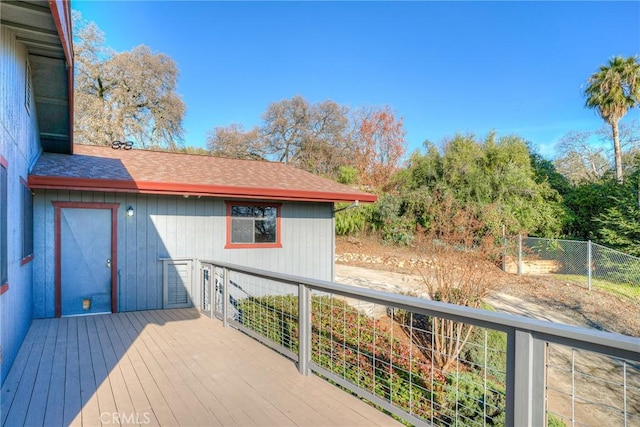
(55, 396)
(36, 415)
(165, 367)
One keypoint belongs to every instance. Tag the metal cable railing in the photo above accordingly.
(434, 363)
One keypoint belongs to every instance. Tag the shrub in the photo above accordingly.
(468, 403)
(352, 221)
(387, 218)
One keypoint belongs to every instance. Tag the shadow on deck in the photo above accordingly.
(164, 367)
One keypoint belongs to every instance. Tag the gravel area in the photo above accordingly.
(557, 299)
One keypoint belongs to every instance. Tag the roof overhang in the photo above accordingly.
(182, 189)
(44, 27)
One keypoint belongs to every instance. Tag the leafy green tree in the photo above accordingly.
(545, 171)
(617, 225)
(620, 228)
(612, 91)
(495, 172)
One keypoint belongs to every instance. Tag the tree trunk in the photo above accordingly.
(617, 151)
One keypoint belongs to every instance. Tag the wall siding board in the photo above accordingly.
(141, 286)
(154, 267)
(19, 145)
(127, 252)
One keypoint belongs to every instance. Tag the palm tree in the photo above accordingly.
(612, 91)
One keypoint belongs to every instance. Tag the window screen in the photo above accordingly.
(253, 224)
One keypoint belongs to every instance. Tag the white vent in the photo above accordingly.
(177, 284)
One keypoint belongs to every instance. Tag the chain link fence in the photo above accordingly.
(586, 263)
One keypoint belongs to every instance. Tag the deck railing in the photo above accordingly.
(405, 354)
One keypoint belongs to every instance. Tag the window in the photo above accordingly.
(27, 223)
(4, 279)
(253, 225)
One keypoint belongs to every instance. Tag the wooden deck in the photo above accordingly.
(164, 367)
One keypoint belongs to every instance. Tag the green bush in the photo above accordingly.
(388, 218)
(495, 352)
(553, 421)
(352, 221)
(468, 403)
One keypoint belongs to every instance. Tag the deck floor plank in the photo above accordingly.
(90, 408)
(103, 393)
(36, 413)
(139, 401)
(172, 358)
(28, 376)
(54, 414)
(158, 411)
(119, 390)
(168, 382)
(166, 367)
(72, 389)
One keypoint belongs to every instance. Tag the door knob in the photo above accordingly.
(108, 263)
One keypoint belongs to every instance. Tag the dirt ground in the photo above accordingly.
(596, 309)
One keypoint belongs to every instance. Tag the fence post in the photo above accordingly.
(525, 380)
(519, 254)
(304, 329)
(589, 263)
(225, 299)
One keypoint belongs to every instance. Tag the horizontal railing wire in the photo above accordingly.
(405, 355)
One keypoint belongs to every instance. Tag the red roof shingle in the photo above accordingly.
(158, 172)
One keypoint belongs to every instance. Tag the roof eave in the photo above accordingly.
(163, 188)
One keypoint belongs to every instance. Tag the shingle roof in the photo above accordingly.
(158, 172)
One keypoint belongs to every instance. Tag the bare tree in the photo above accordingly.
(314, 137)
(233, 141)
(286, 126)
(579, 159)
(589, 155)
(460, 251)
(127, 95)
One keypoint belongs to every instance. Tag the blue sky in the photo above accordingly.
(444, 67)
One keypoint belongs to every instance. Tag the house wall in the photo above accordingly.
(175, 227)
(20, 147)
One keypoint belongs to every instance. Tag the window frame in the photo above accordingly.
(4, 258)
(27, 222)
(254, 245)
(28, 89)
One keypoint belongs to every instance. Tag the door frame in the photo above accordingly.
(58, 206)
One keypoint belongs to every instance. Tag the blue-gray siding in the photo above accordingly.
(178, 227)
(19, 145)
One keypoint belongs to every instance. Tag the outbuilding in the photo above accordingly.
(122, 229)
